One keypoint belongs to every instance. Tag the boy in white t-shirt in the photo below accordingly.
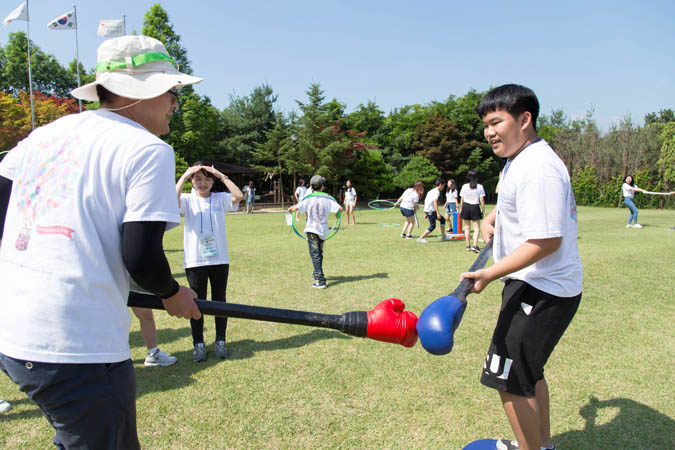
(433, 213)
(534, 228)
(317, 206)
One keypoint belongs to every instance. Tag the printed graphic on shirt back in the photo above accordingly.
(45, 179)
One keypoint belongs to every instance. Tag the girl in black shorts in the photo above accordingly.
(471, 208)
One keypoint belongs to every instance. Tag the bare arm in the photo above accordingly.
(487, 227)
(528, 253)
(186, 176)
(237, 195)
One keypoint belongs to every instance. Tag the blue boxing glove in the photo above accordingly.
(438, 322)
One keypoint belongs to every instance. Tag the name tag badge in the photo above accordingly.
(208, 246)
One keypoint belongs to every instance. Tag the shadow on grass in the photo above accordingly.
(349, 279)
(632, 425)
(148, 379)
(15, 414)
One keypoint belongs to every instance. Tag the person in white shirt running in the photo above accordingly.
(408, 201)
(433, 213)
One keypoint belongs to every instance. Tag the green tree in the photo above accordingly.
(418, 168)
(245, 124)
(156, 24)
(48, 76)
(445, 144)
(667, 159)
(372, 175)
(195, 137)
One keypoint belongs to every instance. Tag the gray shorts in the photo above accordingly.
(89, 405)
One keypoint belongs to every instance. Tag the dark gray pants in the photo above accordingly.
(316, 253)
(91, 406)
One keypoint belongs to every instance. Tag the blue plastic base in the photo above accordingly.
(482, 444)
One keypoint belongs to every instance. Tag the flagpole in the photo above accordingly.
(30, 76)
(77, 54)
(124, 24)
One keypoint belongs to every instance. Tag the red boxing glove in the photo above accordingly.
(388, 322)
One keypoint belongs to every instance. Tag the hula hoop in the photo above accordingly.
(372, 202)
(646, 192)
(6, 151)
(334, 229)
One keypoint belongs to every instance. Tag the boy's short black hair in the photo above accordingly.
(439, 181)
(512, 98)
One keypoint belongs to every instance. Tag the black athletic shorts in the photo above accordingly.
(530, 324)
(471, 212)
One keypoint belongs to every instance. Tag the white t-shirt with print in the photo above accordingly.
(472, 196)
(432, 195)
(63, 283)
(300, 192)
(627, 191)
(350, 195)
(409, 198)
(205, 219)
(536, 202)
(317, 208)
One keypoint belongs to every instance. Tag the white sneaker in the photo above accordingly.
(637, 225)
(4, 406)
(159, 358)
(422, 241)
(445, 238)
(629, 226)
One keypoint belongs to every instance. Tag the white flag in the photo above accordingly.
(20, 13)
(110, 28)
(64, 22)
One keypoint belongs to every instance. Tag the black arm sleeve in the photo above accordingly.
(143, 255)
(5, 191)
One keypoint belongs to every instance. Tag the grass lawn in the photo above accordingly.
(286, 386)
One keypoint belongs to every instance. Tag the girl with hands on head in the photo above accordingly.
(205, 244)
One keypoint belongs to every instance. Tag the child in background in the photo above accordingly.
(317, 206)
(300, 193)
(408, 201)
(205, 245)
(350, 202)
(472, 208)
(451, 203)
(249, 192)
(432, 212)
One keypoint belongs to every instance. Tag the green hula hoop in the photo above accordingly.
(371, 205)
(333, 231)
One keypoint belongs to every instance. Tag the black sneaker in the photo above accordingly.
(319, 285)
(475, 249)
(410, 236)
(468, 249)
(403, 235)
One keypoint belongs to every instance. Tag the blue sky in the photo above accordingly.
(616, 57)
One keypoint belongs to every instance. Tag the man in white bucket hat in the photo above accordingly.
(84, 202)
